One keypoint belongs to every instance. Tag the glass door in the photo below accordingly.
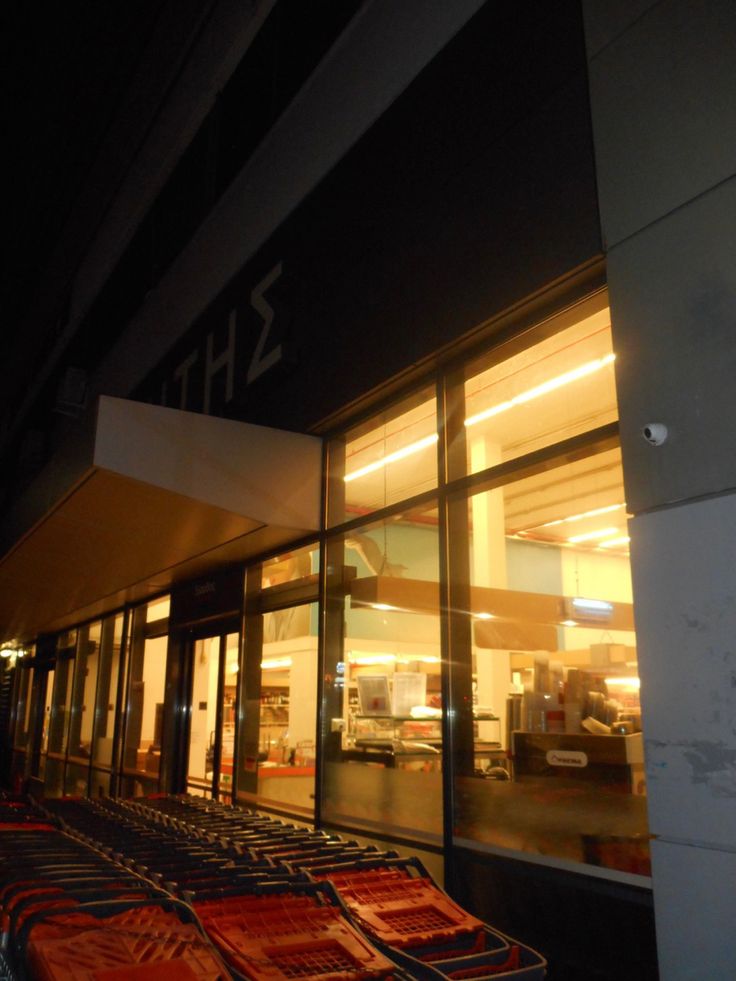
(210, 744)
(276, 757)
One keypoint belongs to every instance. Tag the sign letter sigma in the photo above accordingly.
(259, 364)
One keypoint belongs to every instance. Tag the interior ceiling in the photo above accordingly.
(575, 407)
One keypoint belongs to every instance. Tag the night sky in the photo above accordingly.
(64, 68)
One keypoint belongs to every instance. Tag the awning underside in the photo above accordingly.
(166, 496)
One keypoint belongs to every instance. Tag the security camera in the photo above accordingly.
(654, 433)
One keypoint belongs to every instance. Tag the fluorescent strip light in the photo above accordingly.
(274, 663)
(549, 386)
(590, 536)
(483, 616)
(367, 660)
(421, 444)
(584, 514)
(592, 607)
(626, 682)
(615, 542)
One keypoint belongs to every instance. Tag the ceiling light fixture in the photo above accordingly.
(627, 682)
(421, 444)
(590, 536)
(367, 660)
(549, 386)
(614, 542)
(590, 609)
(583, 514)
(275, 663)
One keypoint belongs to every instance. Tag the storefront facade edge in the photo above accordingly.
(506, 641)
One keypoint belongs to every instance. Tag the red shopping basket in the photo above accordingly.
(283, 934)
(403, 912)
(133, 944)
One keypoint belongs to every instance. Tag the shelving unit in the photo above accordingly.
(274, 718)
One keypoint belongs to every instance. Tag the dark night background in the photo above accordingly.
(64, 69)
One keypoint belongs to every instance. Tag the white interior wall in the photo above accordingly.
(303, 686)
(492, 667)
(87, 707)
(154, 673)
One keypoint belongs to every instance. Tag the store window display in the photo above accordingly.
(385, 768)
(554, 655)
(527, 627)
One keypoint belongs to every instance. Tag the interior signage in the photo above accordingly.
(567, 757)
(205, 599)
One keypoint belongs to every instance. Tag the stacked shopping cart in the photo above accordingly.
(70, 912)
(213, 888)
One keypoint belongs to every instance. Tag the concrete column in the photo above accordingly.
(663, 91)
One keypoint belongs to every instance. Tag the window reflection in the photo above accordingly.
(145, 705)
(388, 459)
(288, 707)
(555, 663)
(105, 705)
(211, 656)
(46, 677)
(384, 679)
(59, 716)
(278, 715)
(555, 389)
(23, 711)
(23, 716)
(298, 566)
(86, 664)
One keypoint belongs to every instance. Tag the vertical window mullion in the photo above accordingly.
(455, 621)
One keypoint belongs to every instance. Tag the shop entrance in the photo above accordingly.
(212, 699)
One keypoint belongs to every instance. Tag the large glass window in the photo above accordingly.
(277, 732)
(144, 721)
(24, 687)
(559, 769)
(82, 709)
(384, 711)
(105, 705)
(538, 651)
(298, 568)
(559, 387)
(59, 716)
(278, 716)
(23, 715)
(387, 460)
(288, 707)
(45, 681)
(212, 723)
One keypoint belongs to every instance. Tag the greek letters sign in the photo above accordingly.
(241, 339)
(394, 255)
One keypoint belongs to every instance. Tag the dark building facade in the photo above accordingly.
(367, 480)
